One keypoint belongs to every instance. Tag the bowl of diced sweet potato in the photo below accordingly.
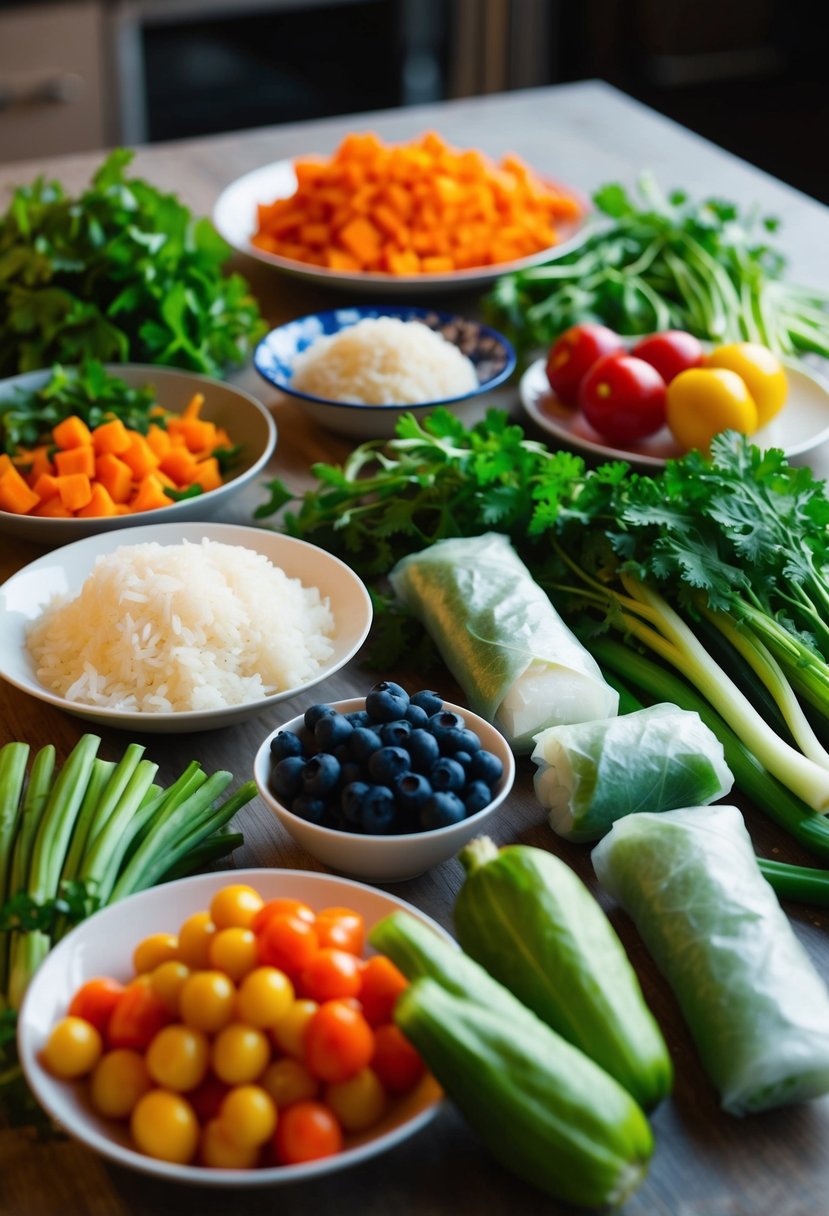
(100, 447)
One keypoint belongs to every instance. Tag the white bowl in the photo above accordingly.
(102, 946)
(63, 571)
(386, 858)
(245, 419)
(491, 354)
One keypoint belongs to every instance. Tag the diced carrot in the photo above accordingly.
(99, 505)
(5, 462)
(437, 265)
(193, 407)
(208, 474)
(15, 495)
(180, 464)
(52, 508)
(75, 490)
(115, 476)
(80, 459)
(46, 486)
(197, 435)
(139, 456)
(71, 432)
(110, 436)
(150, 495)
(158, 439)
(41, 462)
(338, 259)
(361, 238)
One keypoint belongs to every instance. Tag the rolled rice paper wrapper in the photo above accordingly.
(756, 1007)
(592, 773)
(518, 664)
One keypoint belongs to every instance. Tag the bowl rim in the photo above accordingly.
(400, 311)
(377, 841)
(191, 1173)
(160, 514)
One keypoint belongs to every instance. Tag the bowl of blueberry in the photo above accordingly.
(385, 786)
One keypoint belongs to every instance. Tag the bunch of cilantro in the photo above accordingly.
(120, 273)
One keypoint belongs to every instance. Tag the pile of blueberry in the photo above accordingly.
(402, 764)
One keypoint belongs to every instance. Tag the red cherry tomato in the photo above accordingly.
(573, 354)
(623, 398)
(95, 1000)
(138, 1016)
(670, 352)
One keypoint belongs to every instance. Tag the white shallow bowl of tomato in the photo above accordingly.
(103, 946)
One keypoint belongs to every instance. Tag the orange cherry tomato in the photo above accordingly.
(95, 1000)
(395, 1061)
(338, 1041)
(381, 984)
(138, 1016)
(206, 1099)
(330, 974)
(307, 1131)
(341, 927)
(279, 907)
(287, 942)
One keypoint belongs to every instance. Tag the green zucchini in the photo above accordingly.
(532, 923)
(545, 1111)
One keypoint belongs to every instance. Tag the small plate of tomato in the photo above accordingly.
(650, 399)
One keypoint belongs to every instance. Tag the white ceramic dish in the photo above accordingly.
(801, 425)
(102, 946)
(235, 218)
(490, 353)
(247, 421)
(62, 572)
(386, 858)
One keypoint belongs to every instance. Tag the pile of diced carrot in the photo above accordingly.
(112, 470)
(417, 208)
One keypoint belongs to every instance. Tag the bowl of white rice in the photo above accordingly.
(356, 370)
(179, 627)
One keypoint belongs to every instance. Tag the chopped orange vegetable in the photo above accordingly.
(76, 460)
(158, 439)
(114, 476)
(75, 490)
(100, 504)
(150, 495)
(208, 475)
(71, 432)
(139, 456)
(111, 437)
(52, 508)
(417, 208)
(15, 495)
(180, 464)
(46, 487)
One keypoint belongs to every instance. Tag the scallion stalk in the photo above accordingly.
(801, 884)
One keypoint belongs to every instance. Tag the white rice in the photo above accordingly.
(159, 628)
(384, 361)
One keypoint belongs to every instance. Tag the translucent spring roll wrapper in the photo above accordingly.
(592, 773)
(518, 664)
(755, 1005)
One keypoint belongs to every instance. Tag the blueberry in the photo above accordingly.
(351, 802)
(416, 715)
(350, 771)
(286, 743)
(363, 742)
(442, 726)
(457, 739)
(476, 796)
(424, 750)
(469, 741)
(332, 731)
(411, 791)
(286, 778)
(395, 734)
(486, 766)
(447, 774)
(358, 717)
(464, 759)
(315, 712)
(378, 814)
(427, 700)
(388, 763)
(310, 808)
(441, 810)
(387, 701)
(320, 774)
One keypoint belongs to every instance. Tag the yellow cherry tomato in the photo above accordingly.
(178, 1057)
(206, 1000)
(762, 371)
(701, 402)
(119, 1080)
(289, 1031)
(288, 1080)
(164, 1125)
(264, 997)
(358, 1102)
(219, 1152)
(167, 980)
(73, 1048)
(235, 905)
(154, 950)
(239, 1054)
(194, 938)
(234, 951)
(249, 1115)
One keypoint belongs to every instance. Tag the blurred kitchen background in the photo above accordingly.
(77, 75)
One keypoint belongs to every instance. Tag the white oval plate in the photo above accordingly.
(103, 945)
(234, 216)
(62, 572)
(801, 425)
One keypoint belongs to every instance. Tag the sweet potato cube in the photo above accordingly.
(140, 457)
(115, 476)
(52, 508)
(75, 490)
(208, 474)
(71, 432)
(361, 238)
(110, 436)
(158, 439)
(150, 495)
(80, 459)
(46, 486)
(99, 505)
(15, 495)
(180, 464)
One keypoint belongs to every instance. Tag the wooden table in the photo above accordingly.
(706, 1164)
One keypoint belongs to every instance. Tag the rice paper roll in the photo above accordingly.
(756, 1007)
(518, 664)
(590, 774)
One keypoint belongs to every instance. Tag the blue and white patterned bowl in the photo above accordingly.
(491, 354)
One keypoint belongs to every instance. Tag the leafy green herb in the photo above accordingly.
(120, 272)
(666, 263)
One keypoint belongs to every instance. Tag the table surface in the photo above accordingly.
(706, 1163)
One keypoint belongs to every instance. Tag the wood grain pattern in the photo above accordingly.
(706, 1164)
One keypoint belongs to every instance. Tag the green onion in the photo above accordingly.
(802, 884)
